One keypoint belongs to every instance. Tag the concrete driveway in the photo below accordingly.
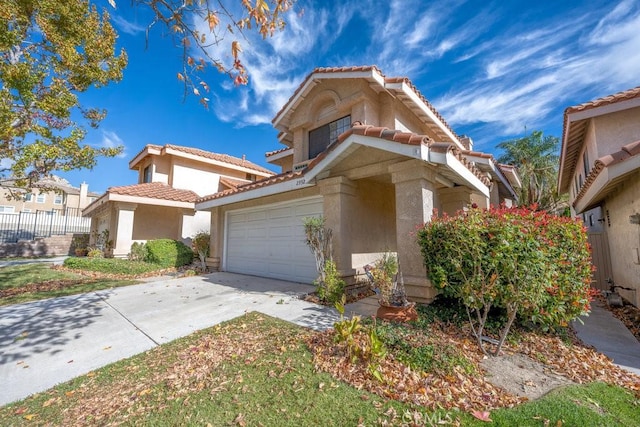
(47, 342)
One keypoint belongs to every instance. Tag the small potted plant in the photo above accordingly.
(386, 280)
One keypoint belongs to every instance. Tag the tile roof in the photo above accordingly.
(607, 100)
(219, 157)
(377, 132)
(413, 87)
(573, 133)
(275, 179)
(232, 183)
(410, 139)
(155, 190)
(625, 153)
(274, 152)
(325, 70)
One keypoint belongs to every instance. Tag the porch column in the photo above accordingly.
(124, 229)
(455, 199)
(338, 208)
(216, 232)
(416, 198)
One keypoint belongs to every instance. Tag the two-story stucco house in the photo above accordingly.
(52, 194)
(161, 204)
(372, 156)
(600, 170)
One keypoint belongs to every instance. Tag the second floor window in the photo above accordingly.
(58, 199)
(322, 137)
(41, 198)
(147, 174)
(28, 197)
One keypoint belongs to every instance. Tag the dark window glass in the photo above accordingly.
(322, 137)
(585, 161)
(147, 174)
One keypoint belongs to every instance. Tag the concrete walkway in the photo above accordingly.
(610, 337)
(47, 342)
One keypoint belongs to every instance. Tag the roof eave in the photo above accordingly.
(604, 183)
(268, 190)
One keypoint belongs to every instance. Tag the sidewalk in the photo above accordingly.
(610, 337)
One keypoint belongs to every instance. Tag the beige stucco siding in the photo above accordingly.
(196, 179)
(617, 129)
(156, 222)
(373, 220)
(624, 237)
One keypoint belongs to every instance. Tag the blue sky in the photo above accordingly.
(494, 70)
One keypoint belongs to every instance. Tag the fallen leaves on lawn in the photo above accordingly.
(47, 286)
(174, 376)
(470, 392)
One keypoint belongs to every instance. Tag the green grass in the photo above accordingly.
(39, 281)
(592, 405)
(111, 265)
(256, 370)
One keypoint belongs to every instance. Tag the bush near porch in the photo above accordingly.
(532, 264)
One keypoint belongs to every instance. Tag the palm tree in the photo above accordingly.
(537, 160)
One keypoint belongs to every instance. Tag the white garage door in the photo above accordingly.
(269, 241)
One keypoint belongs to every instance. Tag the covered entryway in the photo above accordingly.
(269, 241)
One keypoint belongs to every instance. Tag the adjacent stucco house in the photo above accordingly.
(161, 204)
(600, 170)
(372, 156)
(49, 194)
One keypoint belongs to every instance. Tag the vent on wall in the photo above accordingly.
(301, 165)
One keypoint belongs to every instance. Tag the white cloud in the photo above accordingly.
(532, 74)
(127, 27)
(111, 140)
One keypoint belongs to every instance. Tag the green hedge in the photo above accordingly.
(110, 265)
(168, 253)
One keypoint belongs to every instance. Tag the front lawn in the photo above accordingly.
(32, 282)
(256, 370)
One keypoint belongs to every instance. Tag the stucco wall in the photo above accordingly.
(193, 224)
(193, 177)
(156, 222)
(373, 220)
(617, 129)
(624, 237)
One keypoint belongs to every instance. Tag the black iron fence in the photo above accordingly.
(32, 225)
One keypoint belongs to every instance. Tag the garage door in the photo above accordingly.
(269, 241)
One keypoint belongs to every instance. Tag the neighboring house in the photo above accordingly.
(60, 197)
(600, 170)
(161, 204)
(372, 156)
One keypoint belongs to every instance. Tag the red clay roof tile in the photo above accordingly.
(219, 157)
(155, 190)
(626, 152)
(607, 100)
(275, 179)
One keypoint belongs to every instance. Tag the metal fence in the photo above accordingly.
(32, 225)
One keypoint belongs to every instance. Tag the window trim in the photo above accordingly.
(43, 196)
(327, 132)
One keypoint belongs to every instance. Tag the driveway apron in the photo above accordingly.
(47, 342)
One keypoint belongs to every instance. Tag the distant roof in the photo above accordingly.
(225, 158)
